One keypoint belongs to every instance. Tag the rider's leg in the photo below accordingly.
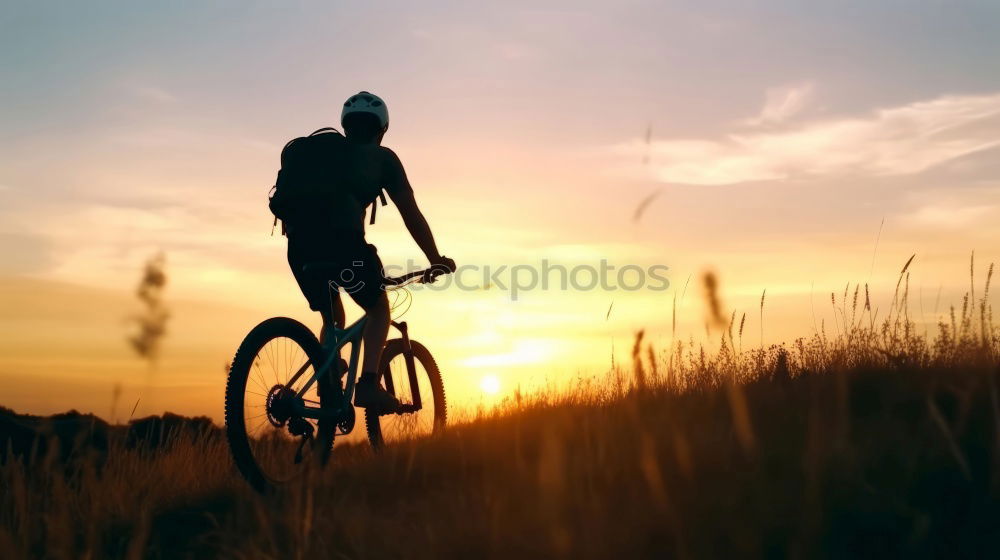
(369, 393)
(376, 331)
(334, 316)
(369, 292)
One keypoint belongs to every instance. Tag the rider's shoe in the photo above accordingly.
(369, 394)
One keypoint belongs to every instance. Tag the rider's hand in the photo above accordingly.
(440, 265)
(443, 262)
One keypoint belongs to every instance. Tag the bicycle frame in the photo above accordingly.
(337, 339)
(352, 334)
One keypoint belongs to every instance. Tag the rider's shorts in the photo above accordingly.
(356, 268)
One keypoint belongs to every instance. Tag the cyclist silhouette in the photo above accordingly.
(335, 234)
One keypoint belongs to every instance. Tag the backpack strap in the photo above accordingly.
(325, 130)
(381, 196)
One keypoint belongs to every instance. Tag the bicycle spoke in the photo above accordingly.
(274, 368)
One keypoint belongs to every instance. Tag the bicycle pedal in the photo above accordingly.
(298, 451)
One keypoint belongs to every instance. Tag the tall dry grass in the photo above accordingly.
(867, 438)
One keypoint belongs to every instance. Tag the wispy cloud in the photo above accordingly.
(950, 216)
(510, 50)
(525, 351)
(783, 103)
(154, 94)
(900, 140)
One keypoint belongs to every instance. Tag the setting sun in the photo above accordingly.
(490, 384)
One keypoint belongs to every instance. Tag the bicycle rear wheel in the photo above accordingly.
(268, 442)
(430, 419)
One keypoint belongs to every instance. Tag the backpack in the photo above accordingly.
(311, 178)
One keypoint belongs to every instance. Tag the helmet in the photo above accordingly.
(365, 102)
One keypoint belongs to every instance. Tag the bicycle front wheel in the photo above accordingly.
(269, 443)
(393, 375)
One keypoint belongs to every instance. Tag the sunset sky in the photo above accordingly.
(781, 135)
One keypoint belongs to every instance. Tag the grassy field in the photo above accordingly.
(872, 440)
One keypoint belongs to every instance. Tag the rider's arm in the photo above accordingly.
(401, 193)
(416, 224)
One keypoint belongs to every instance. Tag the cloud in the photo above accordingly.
(515, 51)
(525, 351)
(900, 140)
(154, 94)
(783, 103)
(25, 253)
(949, 216)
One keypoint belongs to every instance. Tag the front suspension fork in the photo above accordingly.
(411, 368)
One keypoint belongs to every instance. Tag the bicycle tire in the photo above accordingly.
(394, 349)
(236, 387)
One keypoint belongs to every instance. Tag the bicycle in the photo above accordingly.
(275, 421)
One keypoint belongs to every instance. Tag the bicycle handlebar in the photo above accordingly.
(425, 276)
